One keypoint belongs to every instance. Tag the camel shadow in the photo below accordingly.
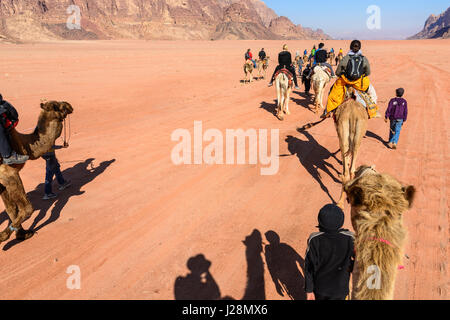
(270, 107)
(312, 156)
(199, 284)
(305, 102)
(283, 263)
(370, 134)
(80, 175)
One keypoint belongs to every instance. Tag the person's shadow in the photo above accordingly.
(283, 263)
(80, 175)
(312, 156)
(199, 284)
(370, 134)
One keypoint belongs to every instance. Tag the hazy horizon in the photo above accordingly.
(347, 19)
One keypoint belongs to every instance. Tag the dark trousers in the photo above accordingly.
(307, 83)
(291, 70)
(320, 297)
(52, 168)
(5, 148)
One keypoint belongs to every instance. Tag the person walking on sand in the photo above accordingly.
(329, 257)
(52, 168)
(397, 113)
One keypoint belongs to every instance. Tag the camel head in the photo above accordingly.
(52, 116)
(379, 194)
(56, 110)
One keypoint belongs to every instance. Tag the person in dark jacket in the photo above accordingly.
(262, 54)
(329, 257)
(285, 61)
(397, 113)
(7, 153)
(306, 80)
(321, 58)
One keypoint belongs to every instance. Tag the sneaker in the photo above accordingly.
(49, 196)
(65, 185)
(15, 158)
(270, 84)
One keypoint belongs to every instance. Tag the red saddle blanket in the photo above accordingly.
(287, 73)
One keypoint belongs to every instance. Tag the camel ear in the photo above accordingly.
(355, 196)
(409, 192)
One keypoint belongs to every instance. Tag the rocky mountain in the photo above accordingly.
(435, 27)
(37, 20)
(286, 29)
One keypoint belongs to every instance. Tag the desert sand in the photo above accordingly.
(132, 218)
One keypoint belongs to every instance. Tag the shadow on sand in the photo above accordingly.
(312, 156)
(281, 259)
(80, 175)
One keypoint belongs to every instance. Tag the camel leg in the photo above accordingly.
(18, 208)
(343, 134)
(286, 101)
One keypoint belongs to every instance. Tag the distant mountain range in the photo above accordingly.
(37, 20)
(435, 27)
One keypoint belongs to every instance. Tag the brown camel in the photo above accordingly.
(248, 71)
(263, 65)
(378, 202)
(351, 126)
(331, 56)
(48, 129)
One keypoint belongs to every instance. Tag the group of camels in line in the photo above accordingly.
(377, 200)
(261, 66)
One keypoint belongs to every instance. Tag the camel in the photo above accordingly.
(48, 129)
(351, 126)
(378, 202)
(331, 56)
(284, 87)
(248, 71)
(263, 65)
(320, 79)
(297, 62)
(305, 59)
(339, 58)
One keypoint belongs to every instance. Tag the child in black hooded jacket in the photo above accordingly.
(329, 257)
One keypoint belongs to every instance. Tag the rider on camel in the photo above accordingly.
(285, 62)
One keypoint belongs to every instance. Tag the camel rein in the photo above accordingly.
(66, 140)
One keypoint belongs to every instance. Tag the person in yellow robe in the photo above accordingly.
(354, 71)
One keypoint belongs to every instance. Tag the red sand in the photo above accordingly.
(132, 226)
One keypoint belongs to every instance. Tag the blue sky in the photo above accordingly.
(347, 19)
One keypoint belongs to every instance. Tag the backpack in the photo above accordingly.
(9, 116)
(355, 67)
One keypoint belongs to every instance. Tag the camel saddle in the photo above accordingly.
(366, 101)
(324, 68)
(287, 73)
